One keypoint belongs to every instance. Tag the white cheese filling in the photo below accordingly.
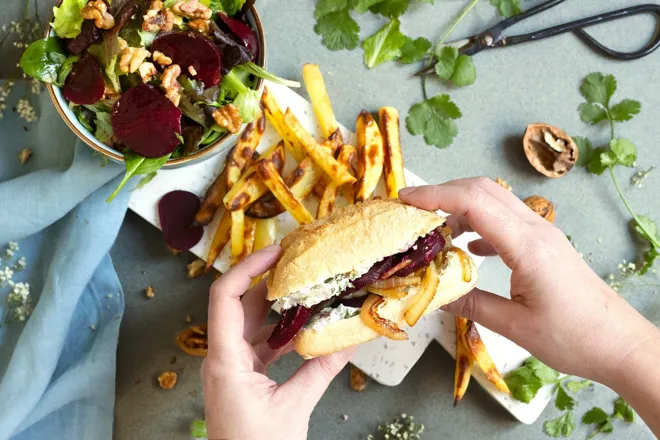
(329, 315)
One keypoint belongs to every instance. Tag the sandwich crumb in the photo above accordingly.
(167, 380)
(196, 268)
(24, 155)
(149, 292)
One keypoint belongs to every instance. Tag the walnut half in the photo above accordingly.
(549, 149)
(97, 10)
(543, 207)
(229, 117)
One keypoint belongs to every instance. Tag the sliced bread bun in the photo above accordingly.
(345, 333)
(353, 238)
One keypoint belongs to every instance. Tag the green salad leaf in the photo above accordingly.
(103, 124)
(79, 111)
(260, 72)
(434, 119)
(146, 38)
(66, 69)
(229, 7)
(135, 165)
(246, 99)
(43, 60)
(68, 19)
(384, 45)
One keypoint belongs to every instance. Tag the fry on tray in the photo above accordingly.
(464, 362)
(241, 155)
(424, 296)
(320, 99)
(320, 155)
(212, 199)
(370, 156)
(237, 232)
(331, 144)
(477, 349)
(276, 118)
(220, 239)
(329, 197)
(274, 182)
(393, 166)
(249, 230)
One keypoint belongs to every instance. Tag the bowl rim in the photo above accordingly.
(91, 141)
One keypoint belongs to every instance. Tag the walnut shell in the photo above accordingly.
(543, 207)
(549, 149)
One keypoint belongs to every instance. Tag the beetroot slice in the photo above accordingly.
(243, 32)
(177, 210)
(84, 85)
(89, 35)
(146, 121)
(291, 321)
(191, 49)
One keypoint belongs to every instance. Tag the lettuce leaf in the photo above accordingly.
(68, 20)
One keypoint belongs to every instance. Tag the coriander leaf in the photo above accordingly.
(363, 6)
(563, 401)
(390, 8)
(430, 2)
(643, 225)
(648, 259)
(595, 165)
(592, 113)
(625, 110)
(542, 371)
(608, 158)
(135, 165)
(524, 384)
(103, 127)
(43, 59)
(561, 426)
(507, 8)
(434, 119)
(595, 415)
(67, 22)
(464, 73)
(325, 7)
(414, 50)
(146, 179)
(338, 30)
(623, 411)
(577, 385)
(625, 151)
(446, 64)
(598, 88)
(198, 429)
(384, 45)
(585, 150)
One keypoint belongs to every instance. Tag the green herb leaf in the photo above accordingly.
(363, 6)
(414, 50)
(562, 426)
(384, 45)
(624, 151)
(507, 8)
(526, 380)
(545, 373)
(625, 110)
(578, 385)
(644, 225)
(585, 150)
(66, 69)
(43, 59)
(325, 7)
(446, 64)
(80, 115)
(338, 30)
(68, 18)
(111, 73)
(598, 88)
(464, 73)
(623, 411)
(198, 429)
(595, 415)
(390, 8)
(595, 165)
(103, 127)
(648, 259)
(592, 113)
(434, 119)
(563, 401)
(135, 165)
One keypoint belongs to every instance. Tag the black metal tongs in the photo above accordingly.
(492, 37)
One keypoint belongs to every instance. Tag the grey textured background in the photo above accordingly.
(529, 83)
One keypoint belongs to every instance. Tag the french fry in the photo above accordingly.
(241, 154)
(331, 144)
(370, 156)
(321, 156)
(265, 234)
(276, 118)
(320, 99)
(248, 238)
(220, 239)
(250, 187)
(212, 199)
(329, 198)
(237, 231)
(424, 295)
(464, 362)
(478, 352)
(274, 182)
(393, 166)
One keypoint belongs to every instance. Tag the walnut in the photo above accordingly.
(158, 19)
(549, 149)
(161, 58)
(229, 117)
(196, 268)
(97, 10)
(147, 71)
(109, 92)
(170, 85)
(194, 340)
(149, 292)
(200, 25)
(131, 58)
(192, 71)
(357, 379)
(543, 207)
(24, 155)
(503, 184)
(192, 9)
(122, 44)
(167, 379)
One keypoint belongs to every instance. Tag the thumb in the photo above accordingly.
(308, 384)
(490, 310)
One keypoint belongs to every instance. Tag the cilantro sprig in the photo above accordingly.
(603, 422)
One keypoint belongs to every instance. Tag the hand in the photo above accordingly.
(559, 310)
(241, 402)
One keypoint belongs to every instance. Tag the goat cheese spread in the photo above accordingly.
(327, 289)
(329, 315)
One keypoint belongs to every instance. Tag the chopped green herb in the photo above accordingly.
(562, 426)
(563, 401)
(577, 385)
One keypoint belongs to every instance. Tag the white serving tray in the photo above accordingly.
(386, 361)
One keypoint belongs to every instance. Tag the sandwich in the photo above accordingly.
(365, 271)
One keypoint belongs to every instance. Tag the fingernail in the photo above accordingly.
(406, 191)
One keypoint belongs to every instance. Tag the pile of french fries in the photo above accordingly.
(251, 191)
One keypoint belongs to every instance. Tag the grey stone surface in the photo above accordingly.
(530, 83)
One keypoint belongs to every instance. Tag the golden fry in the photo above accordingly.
(248, 238)
(464, 362)
(331, 144)
(274, 182)
(393, 166)
(477, 349)
(320, 99)
(237, 232)
(329, 198)
(212, 199)
(276, 118)
(241, 155)
(370, 156)
(220, 239)
(424, 296)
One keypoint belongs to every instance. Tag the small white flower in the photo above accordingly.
(26, 111)
(13, 245)
(9, 253)
(6, 275)
(21, 264)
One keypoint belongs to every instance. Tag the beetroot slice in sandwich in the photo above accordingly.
(177, 210)
(291, 321)
(145, 121)
(191, 49)
(84, 85)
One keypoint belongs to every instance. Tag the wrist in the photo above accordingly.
(638, 362)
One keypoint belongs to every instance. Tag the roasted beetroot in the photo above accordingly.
(177, 210)
(422, 253)
(191, 49)
(243, 32)
(84, 85)
(291, 321)
(88, 35)
(146, 121)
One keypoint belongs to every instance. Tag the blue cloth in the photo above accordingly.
(57, 369)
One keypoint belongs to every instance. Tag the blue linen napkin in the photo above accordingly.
(57, 369)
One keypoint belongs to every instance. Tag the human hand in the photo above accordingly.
(240, 400)
(560, 310)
